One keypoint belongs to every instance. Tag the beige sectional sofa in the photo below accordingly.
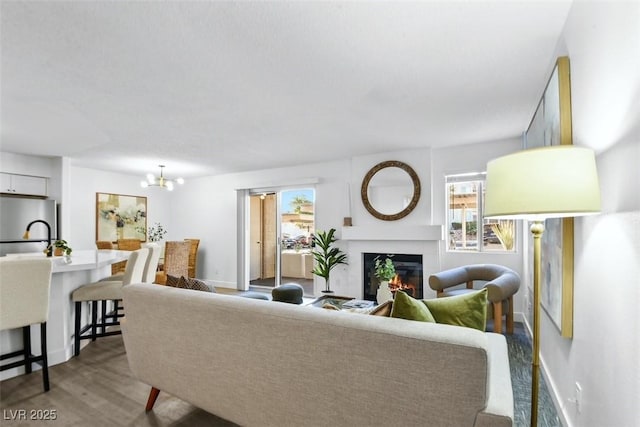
(264, 363)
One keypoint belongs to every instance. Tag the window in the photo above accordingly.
(466, 227)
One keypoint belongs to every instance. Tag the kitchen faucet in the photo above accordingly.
(49, 250)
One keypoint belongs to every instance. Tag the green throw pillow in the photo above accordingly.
(406, 307)
(468, 309)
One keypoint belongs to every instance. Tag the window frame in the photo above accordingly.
(478, 179)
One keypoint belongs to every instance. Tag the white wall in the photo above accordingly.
(79, 203)
(602, 40)
(207, 209)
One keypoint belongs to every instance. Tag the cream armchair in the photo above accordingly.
(501, 283)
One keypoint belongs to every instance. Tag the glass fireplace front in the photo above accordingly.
(408, 274)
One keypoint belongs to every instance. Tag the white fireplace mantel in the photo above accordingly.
(397, 233)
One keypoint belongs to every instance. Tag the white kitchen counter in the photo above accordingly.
(85, 266)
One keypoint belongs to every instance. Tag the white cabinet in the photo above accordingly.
(23, 184)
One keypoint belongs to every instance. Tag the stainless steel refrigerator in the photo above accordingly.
(15, 214)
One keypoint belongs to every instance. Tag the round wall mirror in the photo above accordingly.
(390, 190)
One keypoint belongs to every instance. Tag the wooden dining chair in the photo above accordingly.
(129, 244)
(125, 245)
(117, 267)
(104, 244)
(193, 256)
(176, 261)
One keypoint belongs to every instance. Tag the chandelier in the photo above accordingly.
(161, 182)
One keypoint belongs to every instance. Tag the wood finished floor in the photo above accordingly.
(96, 389)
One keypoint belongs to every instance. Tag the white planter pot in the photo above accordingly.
(384, 293)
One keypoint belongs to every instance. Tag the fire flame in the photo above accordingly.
(396, 284)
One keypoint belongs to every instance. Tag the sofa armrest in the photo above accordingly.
(499, 410)
(503, 287)
(448, 278)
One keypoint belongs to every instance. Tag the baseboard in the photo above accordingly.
(229, 285)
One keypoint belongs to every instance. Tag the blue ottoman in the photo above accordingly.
(290, 293)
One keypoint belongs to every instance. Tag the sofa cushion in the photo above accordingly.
(383, 309)
(172, 281)
(406, 307)
(188, 283)
(469, 310)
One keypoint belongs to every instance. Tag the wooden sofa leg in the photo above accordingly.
(510, 316)
(497, 317)
(153, 395)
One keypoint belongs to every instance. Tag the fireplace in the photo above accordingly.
(408, 274)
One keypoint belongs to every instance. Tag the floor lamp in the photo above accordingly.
(550, 182)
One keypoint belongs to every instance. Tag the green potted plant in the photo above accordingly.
(61, 247)
(326, 255)
(384, 271)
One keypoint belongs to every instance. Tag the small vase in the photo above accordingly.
(58, 252)
(384, 293)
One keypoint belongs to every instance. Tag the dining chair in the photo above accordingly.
(125, 245)
(176, 261)
(116, 267)
(104, 244)
(193, 256)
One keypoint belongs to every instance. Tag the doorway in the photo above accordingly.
(281, 230)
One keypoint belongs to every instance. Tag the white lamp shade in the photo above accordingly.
(549, 182)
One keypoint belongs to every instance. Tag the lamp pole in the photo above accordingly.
(537, 228)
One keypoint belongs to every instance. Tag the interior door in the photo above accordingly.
(263, 248)
(255, 238)
(269, 239)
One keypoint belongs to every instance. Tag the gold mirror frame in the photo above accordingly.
(414, 199)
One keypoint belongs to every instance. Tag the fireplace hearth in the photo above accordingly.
(408, 275)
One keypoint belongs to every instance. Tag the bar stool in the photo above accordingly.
(148, 276)
(105, 291)
(150, 267)
(24, 301)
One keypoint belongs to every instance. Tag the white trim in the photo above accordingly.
(242, 219)
(397, 233)
(283, 183)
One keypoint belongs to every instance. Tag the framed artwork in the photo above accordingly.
(119, 216)
(551, 125)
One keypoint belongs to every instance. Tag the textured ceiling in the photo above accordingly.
(215, 87)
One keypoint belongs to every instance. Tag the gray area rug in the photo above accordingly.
(519, 346)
